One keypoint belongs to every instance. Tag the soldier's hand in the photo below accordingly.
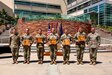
(87, 46)
(35, 42)
(48, 43)
(98, 46)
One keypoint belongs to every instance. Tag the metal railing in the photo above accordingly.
(106, 41)
(4, 39)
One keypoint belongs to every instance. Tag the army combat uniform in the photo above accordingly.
(14, 45)
(66, 40)
(80, 38)
(53, 40)
(27, 41)
(93, 41)
(40, 40)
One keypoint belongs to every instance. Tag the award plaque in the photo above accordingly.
(26, 42)
(81, 38)
(39, 40)
(53, 41)
(66, 42)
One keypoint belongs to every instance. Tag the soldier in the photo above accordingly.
(14, 45)
(11, 31)
(80, 38)
(27, 41)
(53, 40)
(66, 38)
(40, 40)
(93, 41)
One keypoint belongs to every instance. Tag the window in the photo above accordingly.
(95, 1)
(71, 10)
(85, 11)
(93, 9)
(19, 11)
(70, 1)
(38, 4)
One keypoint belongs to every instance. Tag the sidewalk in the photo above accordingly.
(103, 67)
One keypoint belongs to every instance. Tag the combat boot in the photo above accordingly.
(24, 61)
(91, 63)
(28, 61)
(51, 62)
(14, 61)
(41, 62)
(78, 63)
(68, 62)
(64, 62)
(94, 63)
(55, 62)
(81, 62)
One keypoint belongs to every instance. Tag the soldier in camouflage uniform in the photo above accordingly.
(53, 40)
(40, 40)
(27, 41)
(66, 40)
(93, 41)
(80, 38)
(14, 45)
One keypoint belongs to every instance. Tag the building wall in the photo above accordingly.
(109, 1)
(77, 13)
(7, 8)
(37, 8)
(103, 9)
(61, 3)
(9, 3)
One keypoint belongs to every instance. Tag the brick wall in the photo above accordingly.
(72, 26)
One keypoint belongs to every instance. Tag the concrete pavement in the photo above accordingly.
(103, 67)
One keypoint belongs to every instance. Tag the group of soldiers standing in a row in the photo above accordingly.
(80, 39)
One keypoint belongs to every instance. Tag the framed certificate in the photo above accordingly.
(39, 40)
(53, 41)
(26, 42)
(81, 38)
(66, 42)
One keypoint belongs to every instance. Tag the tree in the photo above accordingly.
(5, 18)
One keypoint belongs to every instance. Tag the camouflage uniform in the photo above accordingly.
(27, 46)
(80, 44)
(14, 45)
(93, 41)
(40, 40)
(66, 38)
(53, 46)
